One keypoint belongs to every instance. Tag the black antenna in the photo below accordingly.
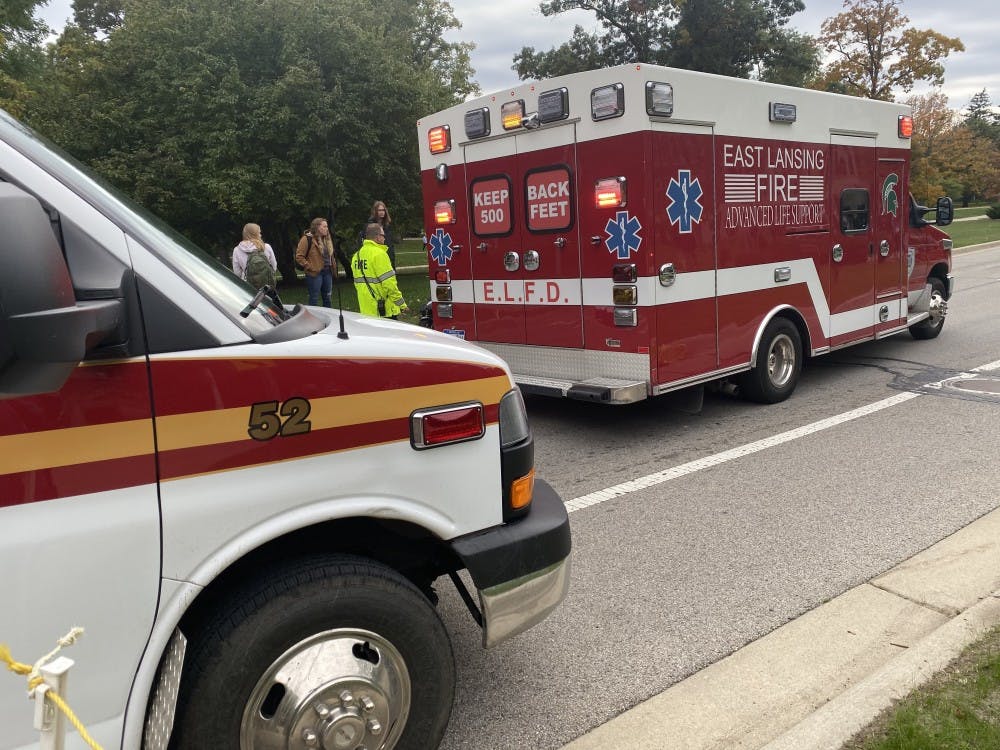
(342, 333)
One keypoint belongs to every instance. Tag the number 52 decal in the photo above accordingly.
(269, 419)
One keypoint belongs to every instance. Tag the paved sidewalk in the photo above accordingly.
(813, 683)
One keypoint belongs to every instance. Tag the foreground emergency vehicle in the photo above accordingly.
(621, 233)
(241, 503)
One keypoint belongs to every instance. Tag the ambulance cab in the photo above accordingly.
(245, 505)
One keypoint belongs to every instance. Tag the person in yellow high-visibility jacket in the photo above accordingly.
(374, 277)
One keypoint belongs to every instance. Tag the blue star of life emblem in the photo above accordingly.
(441, 249)
(623, 235)
(685, 200)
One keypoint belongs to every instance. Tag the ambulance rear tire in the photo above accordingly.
(929, 328)
(779, 362)
(323, 652)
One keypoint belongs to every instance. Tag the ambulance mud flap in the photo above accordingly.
(520, 569)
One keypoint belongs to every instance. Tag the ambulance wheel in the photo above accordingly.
(331, 652)
(929, 328)
(779, 362)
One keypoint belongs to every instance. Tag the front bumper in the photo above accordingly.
(520, 569)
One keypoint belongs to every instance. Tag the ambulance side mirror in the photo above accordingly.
(44, 332)
(944, 212)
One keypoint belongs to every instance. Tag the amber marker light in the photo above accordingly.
(522, 490)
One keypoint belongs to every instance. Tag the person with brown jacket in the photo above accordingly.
(315, 254)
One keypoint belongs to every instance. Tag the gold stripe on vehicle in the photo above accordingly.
(48, 449)
(230, 425)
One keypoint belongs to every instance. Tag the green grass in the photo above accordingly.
(959, 709)
(412, 253)
(965, 213)
(974, 232)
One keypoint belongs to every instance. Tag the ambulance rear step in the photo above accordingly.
(603, 390)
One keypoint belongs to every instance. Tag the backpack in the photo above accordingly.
(258, 271)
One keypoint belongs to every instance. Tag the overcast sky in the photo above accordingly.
(499, 30)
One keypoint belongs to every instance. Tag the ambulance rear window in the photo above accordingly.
(853, 210)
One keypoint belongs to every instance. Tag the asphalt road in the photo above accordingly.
(671, 578)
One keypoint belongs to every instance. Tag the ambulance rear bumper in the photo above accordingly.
(520, 569)
(602, 390)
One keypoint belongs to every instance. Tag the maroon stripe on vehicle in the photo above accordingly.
(245, 453)
(205, 384)
(79, 479)
(95, 394)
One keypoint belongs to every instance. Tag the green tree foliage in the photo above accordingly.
(875, 52)
(982, 118)
(98, 16)
(581, 52)
(213, 113)
(729, 37)
(20, 57)
(948, 156)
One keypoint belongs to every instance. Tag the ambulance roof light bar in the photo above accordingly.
(511, 114)
(610, 192)
(607, 102)
(905, 126)
(659, 99)
(439, 139)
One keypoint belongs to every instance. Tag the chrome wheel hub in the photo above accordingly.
(938, 308)
(781, 361)
(338, 690)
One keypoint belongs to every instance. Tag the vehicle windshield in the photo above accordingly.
(218, 283)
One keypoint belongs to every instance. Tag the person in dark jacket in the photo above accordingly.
(380, 216)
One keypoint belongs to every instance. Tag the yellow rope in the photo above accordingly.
(32, 671)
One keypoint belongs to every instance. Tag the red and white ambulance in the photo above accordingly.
(245, 505)
(626, 232)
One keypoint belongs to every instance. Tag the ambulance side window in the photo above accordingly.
(548, 201)
(853, 210)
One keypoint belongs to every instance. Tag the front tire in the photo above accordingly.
(929, 328)
(779, 362)
(323, 652)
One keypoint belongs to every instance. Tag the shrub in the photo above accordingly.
(993, 211)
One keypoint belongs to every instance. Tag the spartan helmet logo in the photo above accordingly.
(890, 201)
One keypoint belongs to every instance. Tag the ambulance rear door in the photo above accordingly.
(524, 245)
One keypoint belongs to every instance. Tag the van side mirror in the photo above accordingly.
(44, 332)
(945, 212)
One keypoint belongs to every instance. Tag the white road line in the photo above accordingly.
(651, 480)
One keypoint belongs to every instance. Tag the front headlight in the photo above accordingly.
(514, 426)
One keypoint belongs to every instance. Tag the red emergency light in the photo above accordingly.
(439, 139)
(444, 212)
(609, 192)
(905, 126)
(442, 276)
(453, 424)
